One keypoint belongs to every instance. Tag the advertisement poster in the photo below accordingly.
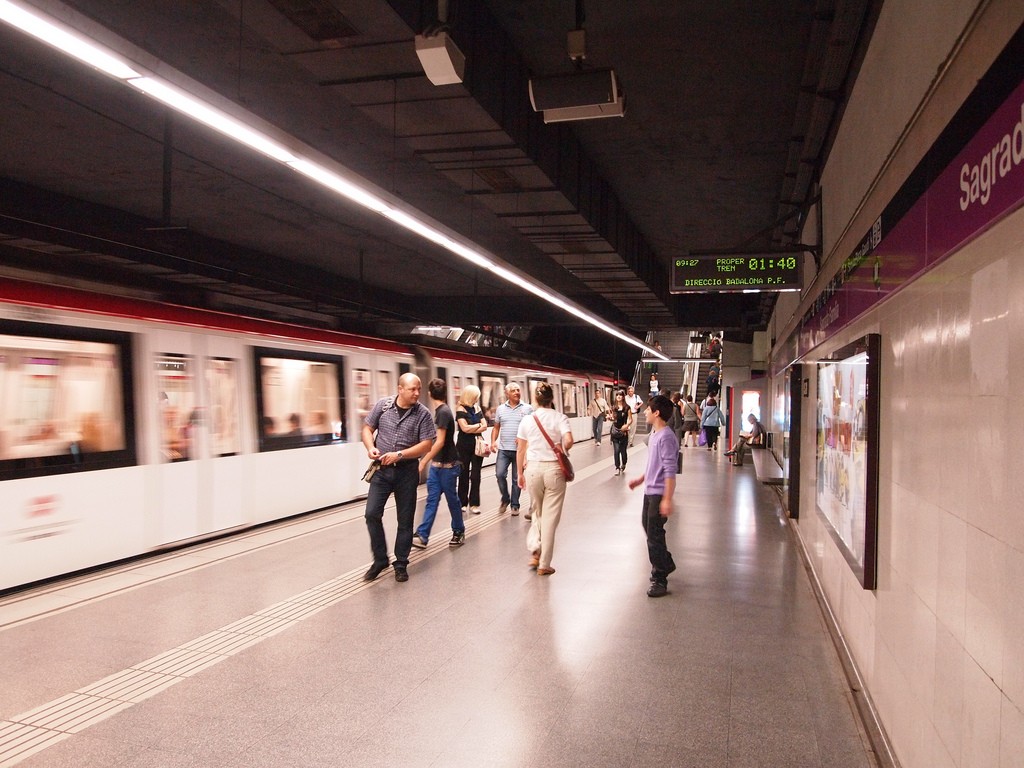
(846, 494)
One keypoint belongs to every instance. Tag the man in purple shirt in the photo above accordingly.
(659, 484)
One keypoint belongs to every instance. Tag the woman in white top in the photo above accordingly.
(539, 472)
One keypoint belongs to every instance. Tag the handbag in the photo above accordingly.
(480, 447)
(563, 461)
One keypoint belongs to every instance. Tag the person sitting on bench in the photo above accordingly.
(754, 437)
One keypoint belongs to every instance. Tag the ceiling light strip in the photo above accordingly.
(240, 128)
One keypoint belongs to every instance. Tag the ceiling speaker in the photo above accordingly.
(577, 96)
(441, 59)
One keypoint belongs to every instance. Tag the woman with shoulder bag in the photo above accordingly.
(711, 419)
(691, 421)
(472, 428)
(539, 470)
(621, 417)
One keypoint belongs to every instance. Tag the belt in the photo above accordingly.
(444, 464)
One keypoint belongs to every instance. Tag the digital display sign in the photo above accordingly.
(719, 274)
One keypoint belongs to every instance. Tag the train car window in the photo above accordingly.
(531, 385)
(492, 392)
(362, 392)
(222, 395)
(180, 417)
(65, 400)
(300, 399)
(569, 407)
(403, 368)
(386, 386)
(455, 391)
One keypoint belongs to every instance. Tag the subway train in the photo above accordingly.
(129, 426)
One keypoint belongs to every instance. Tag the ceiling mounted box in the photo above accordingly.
(577, 96)
(441, 59)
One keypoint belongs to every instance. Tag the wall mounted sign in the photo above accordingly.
(731, 273)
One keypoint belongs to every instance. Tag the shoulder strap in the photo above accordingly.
(544, 432)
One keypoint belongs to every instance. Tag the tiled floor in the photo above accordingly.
(270, 650)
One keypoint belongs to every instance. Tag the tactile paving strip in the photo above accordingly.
(30, 732)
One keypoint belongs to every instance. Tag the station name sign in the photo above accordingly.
(748, 272)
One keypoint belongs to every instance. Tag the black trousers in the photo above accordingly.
(401, 479)
(657, 550)
(469, 477)
(619, 446)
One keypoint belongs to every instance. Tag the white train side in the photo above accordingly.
(128, 427)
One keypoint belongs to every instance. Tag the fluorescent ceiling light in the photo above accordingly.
(208, 115)
(342, 186)
(362, 193)
(58, 36)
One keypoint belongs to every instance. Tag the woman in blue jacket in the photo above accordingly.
(711, 419)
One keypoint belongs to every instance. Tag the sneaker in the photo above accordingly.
(458, 539)
(419, 542)
(515, 511)
(401, 574)
(502, 507)
(658, 589)
(475, 510)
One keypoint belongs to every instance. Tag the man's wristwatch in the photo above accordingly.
(399, 455)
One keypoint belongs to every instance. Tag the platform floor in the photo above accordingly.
(268, 648)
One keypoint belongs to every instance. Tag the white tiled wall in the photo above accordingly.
(941, 641)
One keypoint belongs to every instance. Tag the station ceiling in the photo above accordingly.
(730, 110)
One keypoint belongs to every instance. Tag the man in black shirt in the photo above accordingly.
(396, 432)
(443, 475)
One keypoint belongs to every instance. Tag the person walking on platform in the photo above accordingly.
(676, 422)
(503, 440)
(396, 432)
(711, 419)
(598, 412)
(691, 422)
(443, 474)
(659, 481)
(540, 471)
(621, 417)
(472, 425)
(634, 401)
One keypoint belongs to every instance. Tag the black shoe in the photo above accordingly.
(401, 574)
(729, 453)
(375, 570)
(458, 539)
(657, 590)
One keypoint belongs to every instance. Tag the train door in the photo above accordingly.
(224, 374)
(173, 397)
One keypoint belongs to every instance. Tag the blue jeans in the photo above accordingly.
(402, 480)
(598, 427)
(502, 462)
(441, 480)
